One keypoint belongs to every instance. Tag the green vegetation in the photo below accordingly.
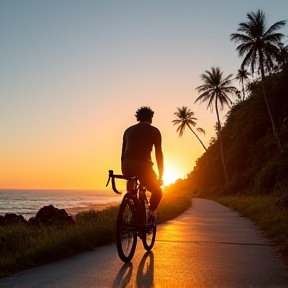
(25, 246)
(253, 161)
(260, 48)
(247, 144)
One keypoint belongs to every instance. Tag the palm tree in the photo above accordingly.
(241, 76)
(215, 90)
(283, 55)
(260, 48)
(186, 119)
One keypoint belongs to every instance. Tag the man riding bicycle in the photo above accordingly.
(138, 141)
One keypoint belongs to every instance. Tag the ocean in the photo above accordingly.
(28, 202)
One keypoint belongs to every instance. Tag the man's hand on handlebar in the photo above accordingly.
(160, 181)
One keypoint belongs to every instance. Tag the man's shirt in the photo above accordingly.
(138, 141)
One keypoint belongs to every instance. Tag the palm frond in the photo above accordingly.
(256, 43)
(276, 26)
(185, 119)
(200, 130)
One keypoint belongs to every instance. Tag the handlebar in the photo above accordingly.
(112, 176)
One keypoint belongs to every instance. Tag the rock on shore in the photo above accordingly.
(47, 215)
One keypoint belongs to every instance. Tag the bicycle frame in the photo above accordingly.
(132, 218)
(138, 194)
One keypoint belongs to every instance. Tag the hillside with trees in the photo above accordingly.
(249, 155)
(254, 162)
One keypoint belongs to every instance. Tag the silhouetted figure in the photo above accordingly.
(138, 141)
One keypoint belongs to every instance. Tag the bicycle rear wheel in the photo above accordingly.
(126, 231)
(149, 236)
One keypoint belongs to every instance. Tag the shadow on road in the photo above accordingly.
(144, 276)
(123, 277)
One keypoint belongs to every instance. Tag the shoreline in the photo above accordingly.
(74, 210)
(71, 211)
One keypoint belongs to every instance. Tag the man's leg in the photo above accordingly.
(153, 186)
(156, 196)
(147, 177)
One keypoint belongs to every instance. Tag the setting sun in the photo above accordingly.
(171, 174)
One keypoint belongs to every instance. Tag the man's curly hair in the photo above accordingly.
(144, 114)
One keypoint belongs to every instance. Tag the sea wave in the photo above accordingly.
(28, 202)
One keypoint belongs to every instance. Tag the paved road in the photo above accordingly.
(207, 246)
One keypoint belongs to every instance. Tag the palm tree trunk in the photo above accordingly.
(221, 144)
(268, 108)
(243, 90)
(197, 137)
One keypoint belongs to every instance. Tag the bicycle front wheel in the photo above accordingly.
(126, 231)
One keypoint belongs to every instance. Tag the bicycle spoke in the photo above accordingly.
(149, 234)
(126, 231)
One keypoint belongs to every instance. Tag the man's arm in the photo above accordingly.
(160, 163)
(123, 149)
(159, 155)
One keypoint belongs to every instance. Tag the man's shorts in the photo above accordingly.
(144, 171)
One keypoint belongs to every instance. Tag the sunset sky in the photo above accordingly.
(73, 73)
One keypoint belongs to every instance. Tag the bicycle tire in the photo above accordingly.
(149, 234)
(126, 230)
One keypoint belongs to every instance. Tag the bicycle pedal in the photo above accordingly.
(149, 227)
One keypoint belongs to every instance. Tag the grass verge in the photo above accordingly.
(264, 212)
(24, 246)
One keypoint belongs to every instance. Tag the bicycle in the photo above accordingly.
(132, 219)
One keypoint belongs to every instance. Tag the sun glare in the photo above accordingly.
(170, 175)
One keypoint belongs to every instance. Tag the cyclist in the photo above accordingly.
(138, 141)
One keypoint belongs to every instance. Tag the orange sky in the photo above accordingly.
(74, 75)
